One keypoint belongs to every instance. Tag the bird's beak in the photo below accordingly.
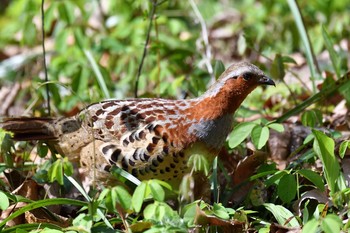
(266, 81)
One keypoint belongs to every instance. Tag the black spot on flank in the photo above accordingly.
(175, 155)
(125, 108)
(131, 138)
(108, 147)
(142, 172)
(111, 162)
(175, 176)
(167, 169)
(147, 169)
(155, 162)
(132, 163)
(172, 165)
(161, 171)
(160, 158)
(146, 156)
(176, 171)
(115, 155)
(155, 140)
(182, 154)
(165, 137)
(150, 147)
(153, 169)
(107, 168)
(125, 142)
(124, 164)
(134, 172)
(166, 150)
(141, 135)
(123, 116)
(136, 155)
(176, 160)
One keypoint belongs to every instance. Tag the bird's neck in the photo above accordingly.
(220, 100)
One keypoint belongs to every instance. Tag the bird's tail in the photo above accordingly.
(30, 128)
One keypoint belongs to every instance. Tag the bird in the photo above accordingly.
(151, 138)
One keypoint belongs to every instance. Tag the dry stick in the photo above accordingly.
(44, 60)
(151, 15)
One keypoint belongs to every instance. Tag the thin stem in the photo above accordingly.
(44, 54)
(151, 16)
(207, 56)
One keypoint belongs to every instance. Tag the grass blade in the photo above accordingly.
(98, 73)
(305, 40)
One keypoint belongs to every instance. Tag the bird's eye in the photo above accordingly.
(247, 76)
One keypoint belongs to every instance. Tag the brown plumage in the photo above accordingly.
(150, 138)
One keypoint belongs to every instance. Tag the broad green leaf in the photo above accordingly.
(156, 190)
(331, 224)
(138, 196)
(118, 195)
(324, 148)
(274, 179)
(260, 135)
(220, 211)
(287, 188)
(55, 172)
(4, 201)
(311, 226)
(343, 147)
(240, 133)
(283, 216)
(314, 177)
(276, 126)
(67, 167)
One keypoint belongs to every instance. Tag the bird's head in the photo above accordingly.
(240, 79)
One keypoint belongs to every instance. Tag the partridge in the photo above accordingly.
(149, 137)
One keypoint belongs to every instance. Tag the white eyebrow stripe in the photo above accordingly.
(238, 72)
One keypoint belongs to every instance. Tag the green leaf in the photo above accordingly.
(260, 135)
(219, 68)
(199, 162)
(42, 150)
(304, 38)
(324, 148)
(283, 216)
(311, 226)
(343, 147)
(287, 188)
(138, 196)
(156, 190)
(274, 179)
(330, 48)
(4, 201)
(314, 177)
(55, 173)
(220, 211)
(277, 68)
(331, 224)
(311, 118)
(276, 126)
(240, 133)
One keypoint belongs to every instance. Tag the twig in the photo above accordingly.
(151, 15)
(44, 54)
(207, 56)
